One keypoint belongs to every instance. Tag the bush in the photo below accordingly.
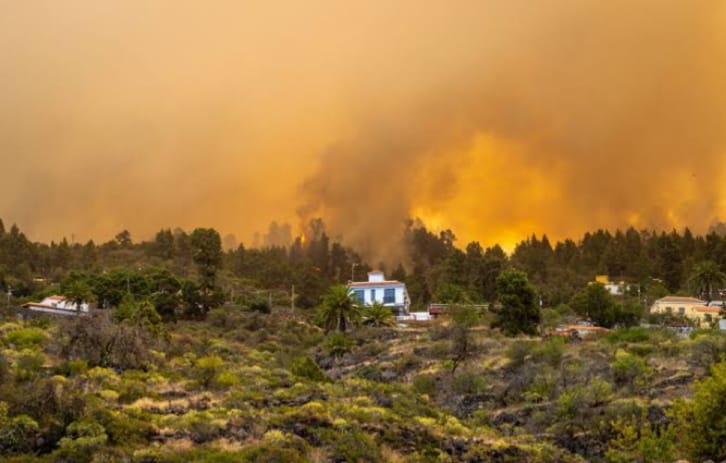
(25, 338)
(351, 446)
(202, 427)
(701, 422)
(29, 365)
(17, 434)
(305, 367)
(629, 370)
(72, 367)
(338, 344)
(626, 335)
(206, 369)
(708, 348)
(550, 351)
(518, 352)
(424, 384)
(468, 383)
(83, 439)
(638, 440)
(371, 373)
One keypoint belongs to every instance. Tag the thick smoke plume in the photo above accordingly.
(496, 119)
(573, 115)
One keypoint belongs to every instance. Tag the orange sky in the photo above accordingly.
(494, 118)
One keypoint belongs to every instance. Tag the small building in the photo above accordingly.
(689, 307)
(58, 305)
(614, 288)
(676, 305)
(705, 314)
(390, 293)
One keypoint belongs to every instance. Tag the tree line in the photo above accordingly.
(189, 272)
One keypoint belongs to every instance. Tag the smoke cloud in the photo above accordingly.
(496, 119)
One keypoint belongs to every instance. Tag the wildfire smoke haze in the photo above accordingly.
(496, 119)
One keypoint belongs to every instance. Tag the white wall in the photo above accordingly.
(369, 298)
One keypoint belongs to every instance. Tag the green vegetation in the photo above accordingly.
(339, 310)
(519, 312)
(200, 354)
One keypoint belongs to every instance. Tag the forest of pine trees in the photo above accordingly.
(434, 265)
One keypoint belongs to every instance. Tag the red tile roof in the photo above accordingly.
(708, 309)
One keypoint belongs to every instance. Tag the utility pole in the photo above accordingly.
(10, 293)
(292, 298)
(352, 271)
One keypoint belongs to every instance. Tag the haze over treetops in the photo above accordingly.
(496, 119)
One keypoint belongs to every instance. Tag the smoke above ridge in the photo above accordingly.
(579, 116)
(496, 119)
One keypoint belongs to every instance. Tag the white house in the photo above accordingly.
(390, 293)
(614, 288)
(58, 305)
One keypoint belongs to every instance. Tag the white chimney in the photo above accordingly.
(376, 277)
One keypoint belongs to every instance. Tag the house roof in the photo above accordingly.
(56, 298)
(45, 306)
(691, 300)
(363, 284)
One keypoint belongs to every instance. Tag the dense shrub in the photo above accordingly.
(337, 344)
(424, 384)
(83, 440)
(206, 369)
(468, 383)
(625, 335)
(702, 421)
(25, 338)
(638, 440)
(629, 370)
(305, 367)
(17, 434)
(707, 347)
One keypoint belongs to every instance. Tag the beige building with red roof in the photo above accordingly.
(688, 307)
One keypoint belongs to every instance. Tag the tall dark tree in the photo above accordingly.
(705, 277)
(517, 311)
(163, 245)
(670, 260)
(89, 256)
(207, 254)
(596, 303)
(123, 239)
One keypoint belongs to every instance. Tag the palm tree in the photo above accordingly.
(339, 310)
(379, 315)
(78, 292)
(704, 276)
